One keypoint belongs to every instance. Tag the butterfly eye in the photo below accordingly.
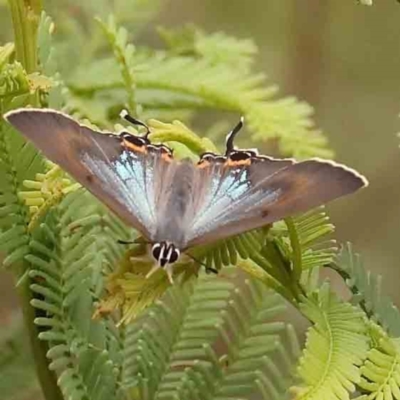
(174, 256)
(156, 251)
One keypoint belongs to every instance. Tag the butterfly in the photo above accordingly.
(178, 204)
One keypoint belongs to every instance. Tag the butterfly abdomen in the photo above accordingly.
(176, 208)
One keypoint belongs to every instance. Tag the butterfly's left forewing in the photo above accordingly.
(236, 197)
(125, 177)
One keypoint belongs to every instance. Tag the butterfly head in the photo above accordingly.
(165, 254)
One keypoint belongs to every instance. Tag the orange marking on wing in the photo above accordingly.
(203, 164)
(166, 157)
(131, 146)
(230, 163)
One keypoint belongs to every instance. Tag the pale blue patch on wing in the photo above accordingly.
(230, 198)
(138, 177)
(132, 179)
(223, 192)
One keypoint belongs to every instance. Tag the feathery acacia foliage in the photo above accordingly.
(380, 372)
(367, 291)
(335, 346)
(215, 330)
(98, 328)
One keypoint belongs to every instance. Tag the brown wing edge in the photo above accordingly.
(8, 116)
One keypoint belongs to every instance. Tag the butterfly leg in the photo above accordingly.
(126, 241)
(210, 270)
(139, 240)
(207, 268)
(167, 268)
(154, 269)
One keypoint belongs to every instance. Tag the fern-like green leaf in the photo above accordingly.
(5, 54)
(228, 251)
(45, 192)
(75, 246)
(219, 341)
(336, 345)
(367, 291)
(178, 132)
(228, 89)
(381, 370)
(13, 81)
(124, 55)
(45, 46)
(217, 47)
(19, 161)
(302, 241)
(311, 228)
(202, 82)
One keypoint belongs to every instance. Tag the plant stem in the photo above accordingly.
(354, 290)
(47, 378)
(123, 54)
(26, 17)
(296, 249)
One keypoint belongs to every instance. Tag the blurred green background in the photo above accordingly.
(341, 57)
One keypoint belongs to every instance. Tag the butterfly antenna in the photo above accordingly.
(124, 114)
(231, 136)
(136, 241)
(125, 241)
(207, 268)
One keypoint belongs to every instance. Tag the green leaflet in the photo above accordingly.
(217, 47)
(304, 243)
(178, 132)
(13, 81)
(381, 370)
(69, 256)
(336, 345)
(19, 160)
(366, 289)
(193, 82)
(45, 192)
(219, 341)
(6, 52)
(124, 54)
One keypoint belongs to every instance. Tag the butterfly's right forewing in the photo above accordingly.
(234, 198)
